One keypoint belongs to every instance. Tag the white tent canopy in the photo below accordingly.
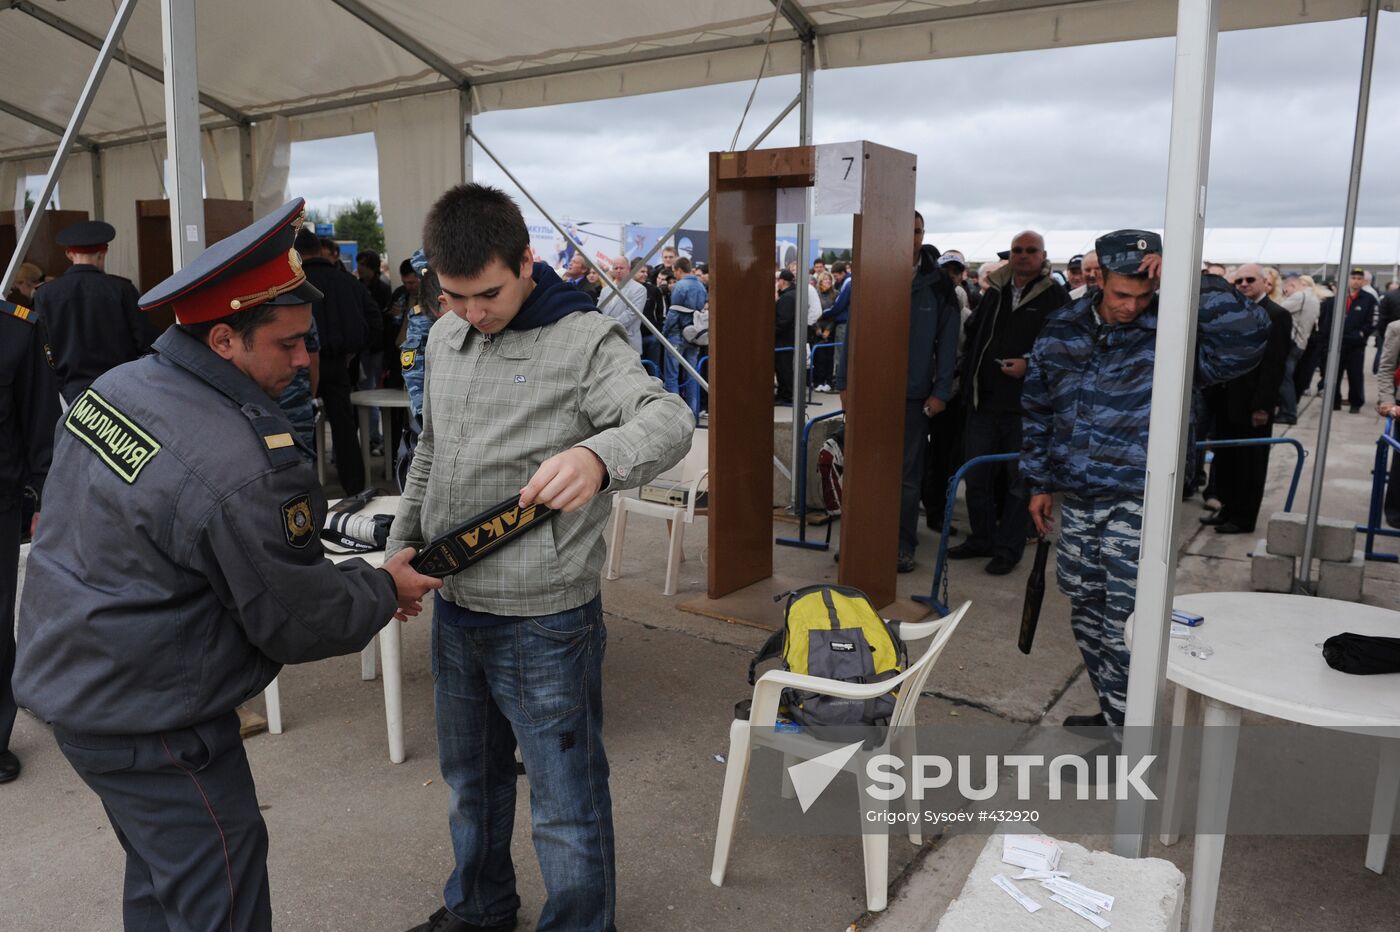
(314, 55)
(335, 67)
(1374, 247)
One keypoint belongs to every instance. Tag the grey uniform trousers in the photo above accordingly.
(185, 810)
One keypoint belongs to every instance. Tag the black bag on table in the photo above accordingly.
(1362, 654)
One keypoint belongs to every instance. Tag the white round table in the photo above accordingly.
(383, 399)
(390, 650)
(1267, 660)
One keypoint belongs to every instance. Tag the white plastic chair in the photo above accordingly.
(679, 517)
(797, 747)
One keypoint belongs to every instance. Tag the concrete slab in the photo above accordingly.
(1335, 538)
(1342, 580)
(1148, 894)
(1270, 573)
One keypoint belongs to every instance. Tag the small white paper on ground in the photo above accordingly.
(1033, 852)
(1039, 875)
(1028, 903)
(1078, 910)
(1080, 893)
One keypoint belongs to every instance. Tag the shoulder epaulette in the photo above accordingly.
(16, 310)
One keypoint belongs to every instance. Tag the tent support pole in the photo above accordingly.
(1188, 162)
(182, 143)
(1334, 349)
(804, 245)
(99, 196)
(65, 145)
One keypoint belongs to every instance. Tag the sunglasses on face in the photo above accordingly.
(1246, 281)
(1019, 250)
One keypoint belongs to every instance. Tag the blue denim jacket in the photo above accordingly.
(689, 292)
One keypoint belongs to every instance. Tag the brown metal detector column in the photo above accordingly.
(877, 347)
(743, 229)
(743, 221)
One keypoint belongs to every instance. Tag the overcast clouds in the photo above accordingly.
(1071, 138)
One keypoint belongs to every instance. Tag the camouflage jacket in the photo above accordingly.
(1088, 391)
(412, 357)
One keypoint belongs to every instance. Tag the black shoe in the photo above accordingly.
(1230, 527)
(1214, 517)
(1290, 421)
(904, 563)
(1088, 725)
(443, 921)
(9, 766)
(1356, 409)
(1392, 519)
(1000, 566)
(967, 550)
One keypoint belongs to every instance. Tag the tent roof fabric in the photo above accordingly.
(1289, 246)
(261, 58)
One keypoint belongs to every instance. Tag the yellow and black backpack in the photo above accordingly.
(835, 633)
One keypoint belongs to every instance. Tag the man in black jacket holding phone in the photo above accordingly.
(1001, 333)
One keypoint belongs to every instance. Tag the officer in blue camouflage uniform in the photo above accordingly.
(421, 318)
(1087, 400)
(298, 399)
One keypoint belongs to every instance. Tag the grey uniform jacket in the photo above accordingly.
(177, 565)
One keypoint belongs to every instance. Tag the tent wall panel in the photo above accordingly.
(420, 145)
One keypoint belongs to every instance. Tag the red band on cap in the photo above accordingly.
(256, 286)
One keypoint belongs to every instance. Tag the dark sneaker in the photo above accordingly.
(904, 563)
(9, 766)
(1000, 566)
(443, 921)
(1086, 724)
(967, 550)
(1230, 527)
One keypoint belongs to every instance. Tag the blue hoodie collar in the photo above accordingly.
(551, 300)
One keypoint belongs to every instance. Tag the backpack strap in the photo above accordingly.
(773, 647)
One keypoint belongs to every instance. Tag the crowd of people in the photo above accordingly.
(190, 501)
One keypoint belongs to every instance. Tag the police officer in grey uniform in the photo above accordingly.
(90, 318)
(178, 567)
(28, 413)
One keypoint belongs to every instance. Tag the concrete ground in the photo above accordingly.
(360, 843)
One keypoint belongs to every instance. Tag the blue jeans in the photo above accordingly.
(537, 683)
(671, 369)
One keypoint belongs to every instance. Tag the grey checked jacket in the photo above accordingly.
(496, 407)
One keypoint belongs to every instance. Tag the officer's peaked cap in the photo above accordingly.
(257, 265)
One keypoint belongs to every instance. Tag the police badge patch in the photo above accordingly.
(297, 521)
(407, 358)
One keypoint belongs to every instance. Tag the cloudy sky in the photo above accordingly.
(1072, 138)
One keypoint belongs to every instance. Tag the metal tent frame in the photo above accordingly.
(1197, 28)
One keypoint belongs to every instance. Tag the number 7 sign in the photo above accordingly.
(840, 178)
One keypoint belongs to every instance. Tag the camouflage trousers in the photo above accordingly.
(1097, 566)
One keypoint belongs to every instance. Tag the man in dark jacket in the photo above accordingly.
(347, 321)
(28, 413)
(934, 317)
(1243, 407)
(785, 314)
(89, 318)
(1360, 313)
(1002, 331)
(181, 491)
